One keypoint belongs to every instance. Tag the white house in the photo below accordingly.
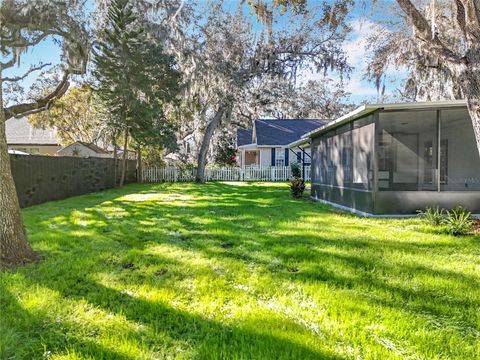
(272, 142)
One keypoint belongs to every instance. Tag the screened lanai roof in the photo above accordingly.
(369, 108)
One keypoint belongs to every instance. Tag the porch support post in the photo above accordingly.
(304, 153)
(439, 149)
(376, 129)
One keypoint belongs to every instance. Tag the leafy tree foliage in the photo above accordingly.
(76, 118)
(225, 152)
(438, 41)
(439, 44)
(135, 79)
(279, 98)
(222, 58)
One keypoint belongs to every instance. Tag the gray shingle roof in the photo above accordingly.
(244, 136)
(21, 132)
(283, 132)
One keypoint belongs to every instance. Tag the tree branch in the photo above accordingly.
(460, 16)
(471, 19)
(32, 69)
(9, 63)
(41, 104)
(424, 31)
(24, 43)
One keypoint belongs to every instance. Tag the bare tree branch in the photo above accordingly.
(25, 109)
(32, 69)
(9, 63)
(24, 43)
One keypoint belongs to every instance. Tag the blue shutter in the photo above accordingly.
(273, 156)
(299, 157)
(286, 156)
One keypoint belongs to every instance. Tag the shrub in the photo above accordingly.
(433, 215)
(458, 221)
(296, 171)
(297, 187)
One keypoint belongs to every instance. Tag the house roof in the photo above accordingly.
(244, 136)
(21, 132)
(90, 146)
(283, 132)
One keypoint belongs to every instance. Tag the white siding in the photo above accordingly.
(292, 158)
(80, 151)
(265, 156)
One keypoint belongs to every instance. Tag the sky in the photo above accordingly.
(361, 90)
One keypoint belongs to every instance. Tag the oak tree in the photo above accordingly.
(23, 25)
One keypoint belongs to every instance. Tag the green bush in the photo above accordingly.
(458, 221)
(433, 215)
(297, 187)
(296, 171)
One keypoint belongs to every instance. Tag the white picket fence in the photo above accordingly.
(248, 173)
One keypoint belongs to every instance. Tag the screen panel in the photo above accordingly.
(459, 157)
(407, 151)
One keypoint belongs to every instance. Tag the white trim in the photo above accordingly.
(299, 142)
(247, 146)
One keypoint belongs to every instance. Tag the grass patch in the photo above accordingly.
(236, 270)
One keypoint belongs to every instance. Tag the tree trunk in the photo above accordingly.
(470, 85)
(207, 137)
(14, 246)
(139, 165)
(115, 161)
(124, 158)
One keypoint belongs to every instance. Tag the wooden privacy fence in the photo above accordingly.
(249, 173)
(39, 179)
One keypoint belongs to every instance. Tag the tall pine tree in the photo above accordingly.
(117, 58)
(135, 80)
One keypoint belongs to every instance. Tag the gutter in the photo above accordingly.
(304, 140)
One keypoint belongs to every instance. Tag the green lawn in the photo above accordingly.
(240, 271)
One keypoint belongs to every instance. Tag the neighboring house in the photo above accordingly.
(83, 149)
(22, 136)
(267, 144)
(397, 158)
